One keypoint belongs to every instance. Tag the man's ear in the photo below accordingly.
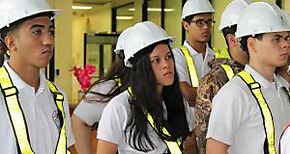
(185, 25)
(10, 41)
(251, 43)
(231, 40)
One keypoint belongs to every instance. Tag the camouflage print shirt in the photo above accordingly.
(208, 88)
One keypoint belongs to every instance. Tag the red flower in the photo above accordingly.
(83, 75)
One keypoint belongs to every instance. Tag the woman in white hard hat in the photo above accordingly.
(151, 116)
(88, 113)
(34, 114)
(250, 111)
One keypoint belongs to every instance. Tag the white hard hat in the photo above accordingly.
(261, 17)
(232, 13)
(14, 10)
(121, 40)
(142, 35)
(287, 17)
(192, 7)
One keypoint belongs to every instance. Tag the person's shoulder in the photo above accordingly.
(235, 87)
(176, 51)
(121, 100)
(102, 86)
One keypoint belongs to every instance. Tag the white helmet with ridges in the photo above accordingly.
(142, 35)
(14, 10)
(121, 39)
(261, 17)
(232, 13)
(192, 7)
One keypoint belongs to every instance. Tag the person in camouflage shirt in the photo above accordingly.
(217, 77)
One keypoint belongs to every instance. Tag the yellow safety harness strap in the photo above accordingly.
(190, 66)
(173, 146)
(221, 53)
(118, 81)
(287, 92)
(61, 145)
(228, 70)
(269, 145)
(16, 116)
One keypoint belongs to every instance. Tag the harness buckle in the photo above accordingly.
(10, 91)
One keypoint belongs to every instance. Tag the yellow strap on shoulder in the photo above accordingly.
(17, 118)
(265, 111)
(190, 66)
(61, 145)
(15, 112)
(229, 71)
(173, 146)
(221, 53)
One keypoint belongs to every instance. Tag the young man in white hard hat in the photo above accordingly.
(284, 147)
(34, 112)
(222, 70)
(250, 111)
(192, 58)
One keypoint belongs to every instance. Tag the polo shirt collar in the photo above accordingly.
(262, 80)
(194, 52)
(19, 83)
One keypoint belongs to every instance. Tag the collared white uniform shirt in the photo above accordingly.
(236, 119)
(40, 112)
(201, 64)
(114, 120)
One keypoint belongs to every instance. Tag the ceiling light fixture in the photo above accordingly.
(154, 9)
(124, 17)
(78, 7)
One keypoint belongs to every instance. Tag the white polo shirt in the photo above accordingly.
(284, 142)
(236, 118)
(40, 114)
(201, 64)
(114, 121)
(91, 112)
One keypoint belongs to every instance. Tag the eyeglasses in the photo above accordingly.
(200, 22)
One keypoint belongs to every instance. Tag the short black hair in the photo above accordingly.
(189, 18)
(244, 41)
(17, 23)
(229, 30)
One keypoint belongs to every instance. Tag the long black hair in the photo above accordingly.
(117, 72)
(144, 98)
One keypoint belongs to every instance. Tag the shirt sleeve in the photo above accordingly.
(90, 112)
(284, 143)
(113, 122)
(181, 66)
(69, 134)
(189, 116)
(227, 114)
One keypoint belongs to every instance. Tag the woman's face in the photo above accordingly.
(162, 64)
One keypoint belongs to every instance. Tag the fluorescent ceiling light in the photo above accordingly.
(154, 9)
(124, 17)
(77, 7)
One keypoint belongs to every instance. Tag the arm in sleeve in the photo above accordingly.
(69, 133)
(205, 93)
(113, 122)
(228, 112)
